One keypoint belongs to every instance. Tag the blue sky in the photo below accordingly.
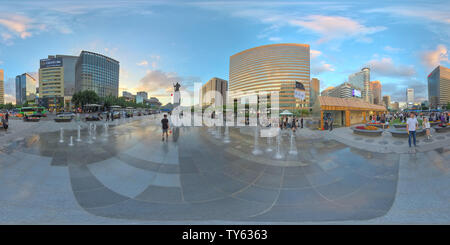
(159, 42)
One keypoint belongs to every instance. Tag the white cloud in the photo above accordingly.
(436, 13)
(275, 39)
(314, 53)
(386, 67)
(433, 58)
(335, 27)
(142, 63)
(321, 67)
(391, 49)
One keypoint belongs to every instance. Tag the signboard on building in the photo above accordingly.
(356, 93)
(299, 91)
(52, 62)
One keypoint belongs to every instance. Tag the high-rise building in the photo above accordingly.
(142, 94)
(395, 106)
(272, 68)
(98, 73)
(25, 89)
(409, 97)
(326, 91)
(2, 87)
(128, 96)
(375, 88)
(387, 101)
(314, 90)
(439, 87)
(208, 95)
(360, 80)
(345, 90)
(57, 80)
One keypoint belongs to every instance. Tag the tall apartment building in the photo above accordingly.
(207, 95)
(272, 68)
(360, 80)
(98, 73)
(387, 101)
(439, 87)
(375, 88)
(409, 97)
(2, 87)
(25, 89)
(314, 90)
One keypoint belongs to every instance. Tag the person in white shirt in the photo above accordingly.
(427, 127)
(411, 125)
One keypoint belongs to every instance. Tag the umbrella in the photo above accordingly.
(286, 113)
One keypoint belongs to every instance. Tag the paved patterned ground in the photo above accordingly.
(131, 176)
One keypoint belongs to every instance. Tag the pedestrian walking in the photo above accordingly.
(301, 122)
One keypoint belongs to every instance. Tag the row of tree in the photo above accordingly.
(79, 99)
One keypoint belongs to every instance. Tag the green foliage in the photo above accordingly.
(8, 106)
(82, 98)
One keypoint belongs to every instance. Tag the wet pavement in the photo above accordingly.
(132, 175)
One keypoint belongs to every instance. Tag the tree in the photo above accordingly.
(85, 97)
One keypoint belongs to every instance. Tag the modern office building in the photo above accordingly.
(375, 89)
(439, 87)
(326, 91)
(208, 95)
(387, 101)
(314, 90)
(409, 97)
(345, 90)
(2, 87)
(25, 89)
(153, 102)
(98, 73)
(272, 68)
(128, 96)
(142, 94)
(57, 81)
(395, 106)
(360, 80)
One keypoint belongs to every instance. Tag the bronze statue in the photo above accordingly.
(177, 87)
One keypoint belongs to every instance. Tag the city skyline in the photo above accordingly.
(160, 43)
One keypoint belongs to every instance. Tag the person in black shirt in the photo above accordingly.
(165, 127)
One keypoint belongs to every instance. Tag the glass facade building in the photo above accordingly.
(2, 87)
(439, 87)
(269, 68)
(361, 80)
(98, 73)
(25, 89)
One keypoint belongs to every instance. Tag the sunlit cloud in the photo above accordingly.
(433, 58)
(386, 67)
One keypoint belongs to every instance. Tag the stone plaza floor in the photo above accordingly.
(132, 177)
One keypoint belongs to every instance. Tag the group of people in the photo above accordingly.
(293, 123)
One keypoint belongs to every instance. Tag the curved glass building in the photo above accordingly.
(275, 67)
(98, 73)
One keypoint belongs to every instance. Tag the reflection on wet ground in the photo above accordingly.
(133, 175)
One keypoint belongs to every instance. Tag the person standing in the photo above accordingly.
(426, 125)
(165, 127)
(294, 124)
(331, 123)
(301, 122)
(411, 125)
